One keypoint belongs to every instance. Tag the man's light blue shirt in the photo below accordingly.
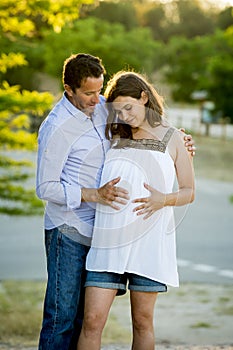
(71, 154)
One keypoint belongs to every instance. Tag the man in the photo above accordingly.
(71, 153)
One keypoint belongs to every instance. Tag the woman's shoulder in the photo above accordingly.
(176, 134)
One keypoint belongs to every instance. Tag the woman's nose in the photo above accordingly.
(124, 115)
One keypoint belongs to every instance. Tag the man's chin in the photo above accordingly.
(89, 111)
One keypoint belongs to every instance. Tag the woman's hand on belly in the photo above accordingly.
(149, 205)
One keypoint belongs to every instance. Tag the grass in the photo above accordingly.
(113, 332)
(225, 310)
(224, 306)
(20, 311)
(21, 305)
(201, 325)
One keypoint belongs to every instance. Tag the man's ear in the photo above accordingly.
(68, 90)
(144, 97)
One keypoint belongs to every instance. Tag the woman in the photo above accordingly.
(136, 245)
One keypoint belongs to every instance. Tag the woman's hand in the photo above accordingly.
(149, 205)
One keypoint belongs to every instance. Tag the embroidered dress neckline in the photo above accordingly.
(147, 144)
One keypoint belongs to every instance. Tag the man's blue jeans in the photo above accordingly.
(64, 299)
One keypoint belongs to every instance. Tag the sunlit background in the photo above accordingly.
(185, 47)
(217, 3)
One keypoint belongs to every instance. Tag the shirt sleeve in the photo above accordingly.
(53, 150)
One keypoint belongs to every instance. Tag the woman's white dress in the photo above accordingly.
(124, 242)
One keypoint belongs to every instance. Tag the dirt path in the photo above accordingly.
(198, 314)
(192, 317)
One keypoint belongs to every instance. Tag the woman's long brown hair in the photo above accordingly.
(131, 84)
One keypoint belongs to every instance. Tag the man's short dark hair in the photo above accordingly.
(79, 67)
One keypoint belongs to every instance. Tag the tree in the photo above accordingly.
(204, 63)
(220, 68)
(27, 17)
(155, 18)
(225, 18)
(176, 18)
(189, 20)
(117, 47)
(15, 109)
(116, 12)
(185, 65)
(23, 25)
(20, 20)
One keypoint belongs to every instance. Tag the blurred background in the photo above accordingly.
(185, 47)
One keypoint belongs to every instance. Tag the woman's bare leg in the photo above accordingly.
(97, 305)
(142, 310)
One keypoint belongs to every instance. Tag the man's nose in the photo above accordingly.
(96, 97)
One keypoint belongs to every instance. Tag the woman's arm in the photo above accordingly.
(183, 163)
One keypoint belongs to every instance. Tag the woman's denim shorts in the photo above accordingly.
(112, 280)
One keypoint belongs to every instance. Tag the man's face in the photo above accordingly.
(87, 96)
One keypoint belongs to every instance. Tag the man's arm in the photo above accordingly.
(53, 151)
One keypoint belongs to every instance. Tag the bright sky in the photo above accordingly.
(222, 3)
(219, 3)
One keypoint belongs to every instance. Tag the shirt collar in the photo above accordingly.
(72, 109)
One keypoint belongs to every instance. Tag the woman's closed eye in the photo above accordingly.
(127, 107)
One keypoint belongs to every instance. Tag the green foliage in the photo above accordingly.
(122, 12)
(36, 36)
(11, 60)
(117, 47)
(185, 65)
(220, 68)
(25, 18)
(190, 19)
(14, 100)
(155, 19)
(225, 18)
(15, 109)
(178, 18)
(204, 63)
(21, 26)
(16, 198)
(20, 22)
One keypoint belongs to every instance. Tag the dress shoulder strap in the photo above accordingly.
(167, 136)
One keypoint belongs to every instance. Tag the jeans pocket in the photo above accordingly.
(48, 240)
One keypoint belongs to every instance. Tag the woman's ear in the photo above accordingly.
(144, 97)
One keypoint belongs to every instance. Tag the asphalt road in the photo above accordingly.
(204, 239)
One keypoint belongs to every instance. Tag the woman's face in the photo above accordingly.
(131, 110)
